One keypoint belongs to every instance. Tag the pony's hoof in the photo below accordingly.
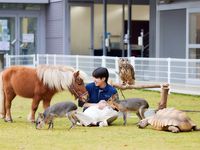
(8, 120)
(2, 116)
(32, 121)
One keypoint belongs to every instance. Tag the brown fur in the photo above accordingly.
(126, 72)
(137, 105)
(24, 81)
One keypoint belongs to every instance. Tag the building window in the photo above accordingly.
(194, 44)
(194, 35)
(12, 6)
(194, 28)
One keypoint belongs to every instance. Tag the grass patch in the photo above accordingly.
(22, 135)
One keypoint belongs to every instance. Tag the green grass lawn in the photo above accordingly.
(22, 135)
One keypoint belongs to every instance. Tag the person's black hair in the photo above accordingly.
(101, 72)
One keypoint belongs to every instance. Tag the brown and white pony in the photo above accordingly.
(39, 83)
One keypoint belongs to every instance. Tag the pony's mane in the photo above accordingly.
(55, 76)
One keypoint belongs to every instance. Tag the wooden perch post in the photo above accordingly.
(164, 91)
(164, 95)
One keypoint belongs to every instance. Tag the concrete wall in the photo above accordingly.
(173, 33)
(152, 29)
(54, 28)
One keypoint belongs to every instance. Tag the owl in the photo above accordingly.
(126, 72)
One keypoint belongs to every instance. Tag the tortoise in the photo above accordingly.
(169, 119)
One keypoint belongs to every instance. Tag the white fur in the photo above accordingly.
(1, 96)
(29, 118)
(58, 77)
(83, 76)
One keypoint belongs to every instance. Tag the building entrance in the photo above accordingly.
(18, 34)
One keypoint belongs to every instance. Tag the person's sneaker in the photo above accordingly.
(78, 124)
(103, 124)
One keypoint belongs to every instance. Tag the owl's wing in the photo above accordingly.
(131, 70)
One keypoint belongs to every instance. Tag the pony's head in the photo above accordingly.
(63, 78)
(77, 87)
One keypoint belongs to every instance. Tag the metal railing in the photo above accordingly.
(183, 75)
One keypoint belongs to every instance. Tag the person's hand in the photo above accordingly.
(102, 104)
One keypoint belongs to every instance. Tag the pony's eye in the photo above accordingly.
(79, 81)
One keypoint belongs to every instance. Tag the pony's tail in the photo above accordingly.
(1, 96)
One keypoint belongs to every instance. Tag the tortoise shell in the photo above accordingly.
(171, 117)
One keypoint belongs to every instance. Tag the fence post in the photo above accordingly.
(7, 61)
(47, 59)
(164, 95)
(103, 63)
(133, 61)
(34, 60)
(38, 61)
(169, 70)
(116, 69)
(77, 62)
(187, 69)
(54, 59)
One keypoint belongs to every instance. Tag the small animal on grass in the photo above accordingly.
(132, 104)
(169, 119)
(126, 72)
(57, 110)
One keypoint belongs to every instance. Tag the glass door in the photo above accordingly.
(28, 35)
(7, 35)
(19, 35)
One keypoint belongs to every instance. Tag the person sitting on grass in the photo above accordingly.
(99, 92)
